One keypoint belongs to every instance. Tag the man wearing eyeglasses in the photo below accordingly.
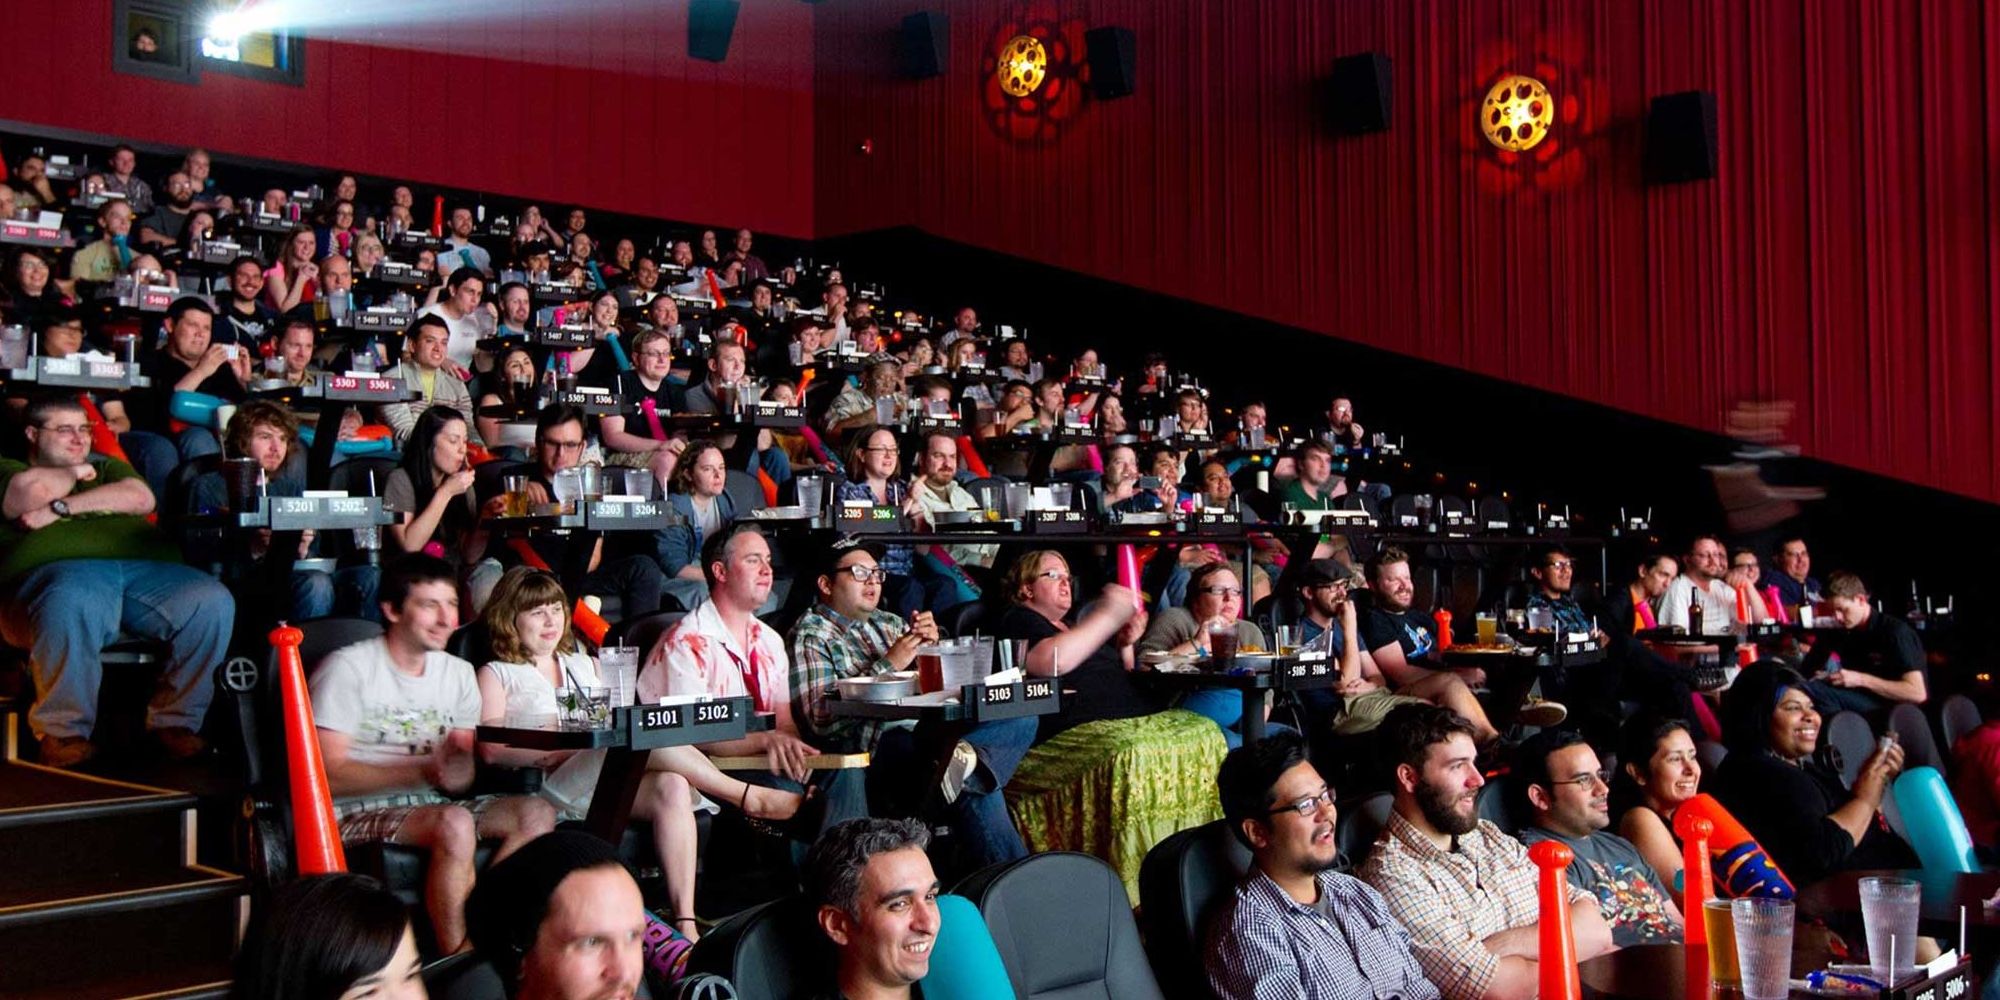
(1295, 927)
(1630, 672)
(611, 568)
(78, 564)
(848, 635)
(1463, 888)
(1568, 793)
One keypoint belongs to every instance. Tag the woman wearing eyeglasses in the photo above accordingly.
(1110, 753)
(1214, 601)
(874, 464)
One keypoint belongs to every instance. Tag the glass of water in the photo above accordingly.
(1764, 945)
(1889, 910)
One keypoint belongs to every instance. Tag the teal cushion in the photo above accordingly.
(965, 964)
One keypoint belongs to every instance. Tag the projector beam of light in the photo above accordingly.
(627, 32)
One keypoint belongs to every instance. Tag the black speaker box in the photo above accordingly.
(1113, 55)
(710, 23)
(1359, 93)
(1680, 137)
(926, 37)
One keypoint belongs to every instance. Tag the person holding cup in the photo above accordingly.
(637, 440)
(1210, 623)
(1788, 796)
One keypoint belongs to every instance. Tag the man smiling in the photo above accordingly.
(877, 898)
(1295, 927)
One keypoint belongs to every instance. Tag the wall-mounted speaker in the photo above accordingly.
(1680, 137)
(710, 25)
(1113, 54)
(925, 44)
(1359, 93)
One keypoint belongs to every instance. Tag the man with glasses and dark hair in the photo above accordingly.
(632, 576)
(1464, 889)
(847, 635)
(1295, 927)
(79, 564)
(1568, 792)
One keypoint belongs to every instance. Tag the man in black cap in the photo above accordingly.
(561, 919)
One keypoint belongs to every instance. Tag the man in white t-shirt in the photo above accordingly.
(468, 320)
(395, 717)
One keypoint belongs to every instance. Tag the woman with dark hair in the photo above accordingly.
(599, 364)
(515, 387)
(31, 286)
(1658, 771)
(1790, 798)
(432, 490)
(330, 937)
(874, 465)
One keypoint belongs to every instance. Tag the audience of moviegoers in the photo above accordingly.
(771, 413)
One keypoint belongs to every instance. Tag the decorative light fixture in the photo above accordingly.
(1023, 65)
(1516, 113)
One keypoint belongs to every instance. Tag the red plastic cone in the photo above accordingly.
(1560, 980)
(1696, 883)
(437, 216)
(315, 835)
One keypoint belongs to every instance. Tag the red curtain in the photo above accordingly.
(1844, 260)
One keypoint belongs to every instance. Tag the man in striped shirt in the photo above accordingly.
(1295, 928)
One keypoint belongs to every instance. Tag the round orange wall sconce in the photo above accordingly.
(1516, 113)
(1024, 64)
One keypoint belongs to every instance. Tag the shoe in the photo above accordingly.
(1542, 714)
(964, 760)
(180, 743)
(67, 751)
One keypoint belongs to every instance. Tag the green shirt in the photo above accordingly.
(1295, 492)
(97, 535)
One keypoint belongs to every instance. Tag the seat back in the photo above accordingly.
(744, 491)
(1848, 736)
(1710, 754)
(965, 619)
(1497, 803)
(774, 949)
(1354, 832)
(472, 643)
(643, 631)
(1913, 730)
(324, 635)
(1181, 881)
(1958, 716)
(1064, 927)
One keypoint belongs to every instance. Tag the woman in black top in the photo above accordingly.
(1093, 654)
(1792, 799)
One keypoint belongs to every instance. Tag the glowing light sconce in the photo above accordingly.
(1024, 64)
(1516, 113)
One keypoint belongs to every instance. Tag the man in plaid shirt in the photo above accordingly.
(847, 634)
(1296, 928)
(1465, 890)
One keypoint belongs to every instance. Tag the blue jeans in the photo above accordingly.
(349, 589)
(1829, 699)
(980, 812)
(65, 613)
(153, 456)
(1224, 707)
(195, 442)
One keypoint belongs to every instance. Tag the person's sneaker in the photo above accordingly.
(1542, 714)
(180, 743)
(67, 751)
(963, 760)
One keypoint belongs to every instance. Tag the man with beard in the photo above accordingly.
(245, 319)
(165, 222)
(1295, 927)
(1465, 890)
(1569, 794)
(1701, 580)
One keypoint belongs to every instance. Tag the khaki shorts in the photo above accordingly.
(1363, 712)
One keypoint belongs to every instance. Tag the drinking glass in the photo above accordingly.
(1488, 626)
(619, 665)
(516, 487)
(1889, 909)
(1764, 945)
(639, 483)
(585, 707)
(568, 486)
(1222, 646)
(1715, 913)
